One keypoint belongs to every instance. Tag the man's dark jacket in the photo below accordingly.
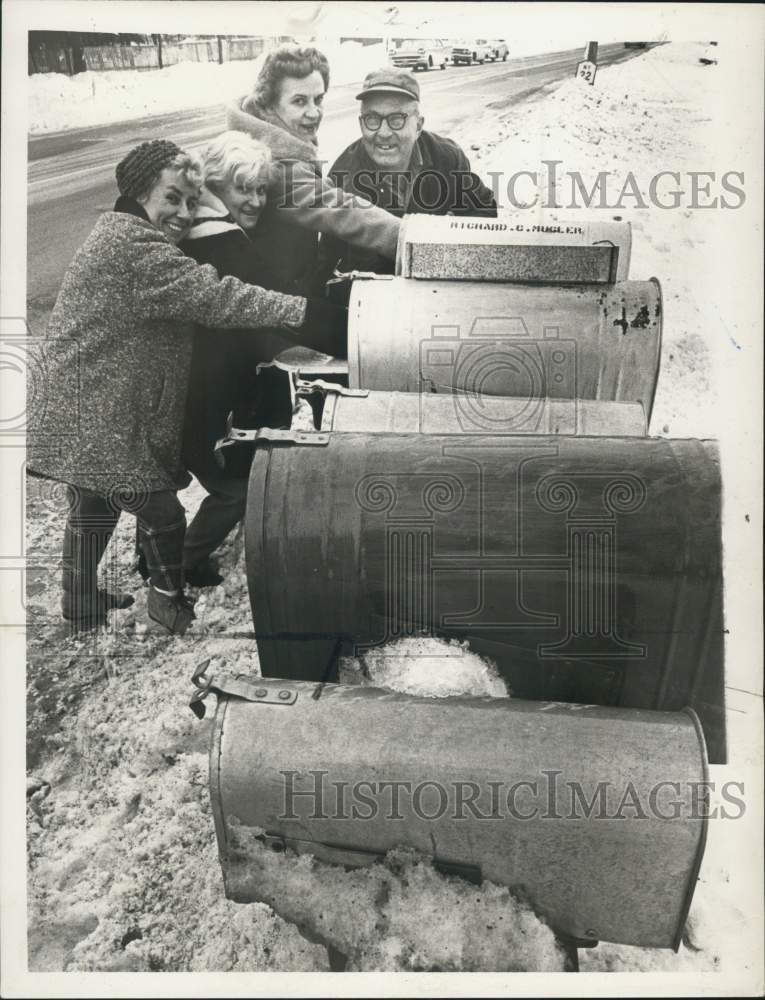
(439, 182)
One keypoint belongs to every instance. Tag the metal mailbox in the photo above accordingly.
(591, 814)
(588, 568)
(526, 341)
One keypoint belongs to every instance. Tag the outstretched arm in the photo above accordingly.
(170, 285)
(306, 199)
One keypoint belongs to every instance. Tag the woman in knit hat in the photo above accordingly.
(112, 377)
(285, 112)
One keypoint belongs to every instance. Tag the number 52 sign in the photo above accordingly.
(586, 71)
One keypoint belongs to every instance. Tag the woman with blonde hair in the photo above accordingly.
(222, 378)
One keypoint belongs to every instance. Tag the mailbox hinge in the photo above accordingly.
(235, 435)
(237, 686)
(338, 277)
(305, 387)
(290, 437)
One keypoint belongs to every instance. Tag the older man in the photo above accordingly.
(399, 166)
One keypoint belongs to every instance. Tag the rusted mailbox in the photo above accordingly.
(592, 814)
(588, 568)
(526, 341)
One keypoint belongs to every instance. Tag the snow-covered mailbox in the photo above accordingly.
(513, 248)
(590, 814)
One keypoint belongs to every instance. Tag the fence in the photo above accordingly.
(146, 56)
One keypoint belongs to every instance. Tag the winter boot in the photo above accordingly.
(204, 574)
(86, 611)
(174, 611)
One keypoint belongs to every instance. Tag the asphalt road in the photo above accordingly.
(71, 174)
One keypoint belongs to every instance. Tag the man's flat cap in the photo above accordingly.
(390, 80)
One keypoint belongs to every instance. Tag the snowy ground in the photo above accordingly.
(123, 873)
(57, 101)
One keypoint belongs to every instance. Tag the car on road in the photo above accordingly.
(418, 53)
(467, 52)
(500, 49)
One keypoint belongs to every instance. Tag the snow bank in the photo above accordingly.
(426, 666)
(389, 917)
(663, 111)
(58, 102)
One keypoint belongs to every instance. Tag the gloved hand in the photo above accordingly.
(325, 328)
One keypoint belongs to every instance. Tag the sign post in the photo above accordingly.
(587, 69)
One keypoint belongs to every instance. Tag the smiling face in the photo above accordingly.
(388, 149)
(171, 204)
(244, 200)
(299, 105)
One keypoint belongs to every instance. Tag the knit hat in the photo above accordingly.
(137, 171)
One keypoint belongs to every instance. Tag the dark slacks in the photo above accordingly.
(220, 511)
(91, 523)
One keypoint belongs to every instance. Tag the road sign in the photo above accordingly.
(586, 71)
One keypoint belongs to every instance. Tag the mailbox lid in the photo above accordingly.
(511, 248)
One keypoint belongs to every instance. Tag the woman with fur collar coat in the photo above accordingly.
(285, 112)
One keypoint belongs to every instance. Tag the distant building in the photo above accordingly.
(62, 51)
(77, 51)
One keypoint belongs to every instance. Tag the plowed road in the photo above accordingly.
(71, 174)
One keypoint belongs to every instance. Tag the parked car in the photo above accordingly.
(466, 53)
(418, 53)
(500, 49)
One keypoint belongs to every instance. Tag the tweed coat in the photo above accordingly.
(108, 388)
(302, 204)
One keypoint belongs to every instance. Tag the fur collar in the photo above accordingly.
(246, 115)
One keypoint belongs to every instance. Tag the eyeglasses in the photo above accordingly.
(373, 121)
